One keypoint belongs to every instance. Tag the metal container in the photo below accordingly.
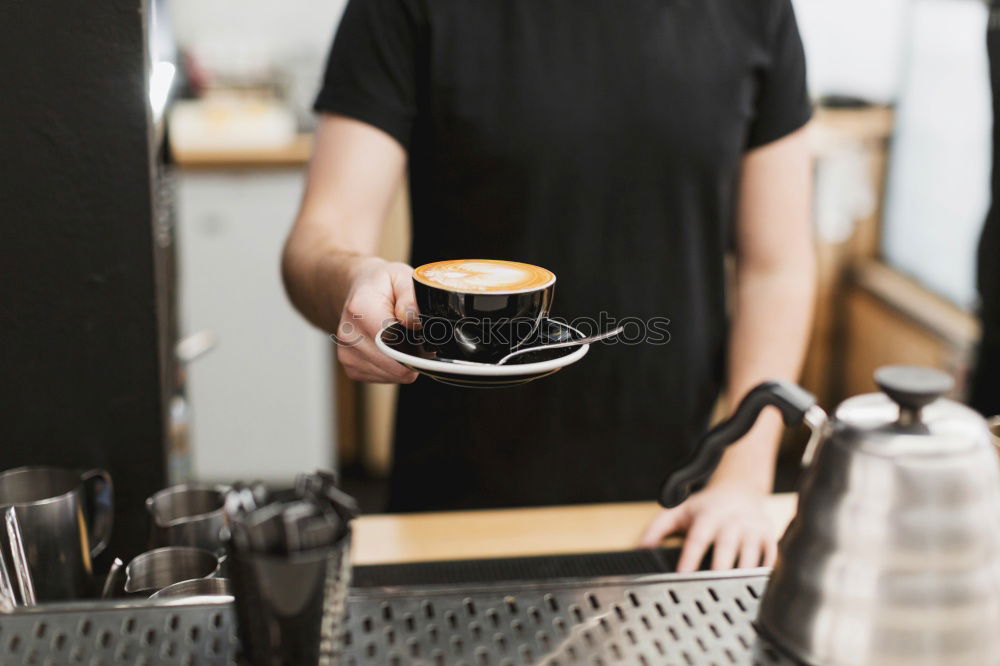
(195, 589)
(894, 555)
(290, 609)
(65, 519)
(156, 569)
(22, 570)
(188, 515)
(662, 619)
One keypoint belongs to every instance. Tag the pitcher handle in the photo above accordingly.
(100, 507)
(791, 400)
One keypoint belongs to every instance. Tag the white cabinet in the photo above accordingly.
(261, 403)
(938, 189)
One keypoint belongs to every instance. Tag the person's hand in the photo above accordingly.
(731, 519)
(380, 293)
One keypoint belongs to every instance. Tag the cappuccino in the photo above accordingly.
(484, 275)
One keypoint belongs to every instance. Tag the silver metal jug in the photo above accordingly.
(188, 515)
(156, 569)
(893, 557)
(65, 518)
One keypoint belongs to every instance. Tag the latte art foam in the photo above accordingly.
(483, 275)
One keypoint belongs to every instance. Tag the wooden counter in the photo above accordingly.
(380, 539)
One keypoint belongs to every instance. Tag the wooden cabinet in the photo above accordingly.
(868, 314)
(890, 319)
(865, 134)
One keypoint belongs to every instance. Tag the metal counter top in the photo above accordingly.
(668, 619)
(660, 619)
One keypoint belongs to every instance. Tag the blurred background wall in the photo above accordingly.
(901, 140)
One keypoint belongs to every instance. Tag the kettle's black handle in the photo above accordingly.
(793, 402)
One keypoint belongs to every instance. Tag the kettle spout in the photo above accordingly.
(816, 419)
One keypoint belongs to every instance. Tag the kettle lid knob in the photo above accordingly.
(912, 387)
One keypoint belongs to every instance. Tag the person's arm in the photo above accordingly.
(329, 265)
(774, 291)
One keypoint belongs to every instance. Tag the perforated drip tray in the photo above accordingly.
(102, 634)
(520, 569)
(668, 619)
(703, 620)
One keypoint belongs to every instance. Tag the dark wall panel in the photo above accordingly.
(80, 379)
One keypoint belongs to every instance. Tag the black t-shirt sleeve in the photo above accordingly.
(371, 72)
(782, 103)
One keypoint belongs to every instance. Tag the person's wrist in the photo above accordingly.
(357, 265)
(334, 276)
(726, 480)
(747, 466)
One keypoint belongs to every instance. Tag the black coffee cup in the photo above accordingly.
(477, 316)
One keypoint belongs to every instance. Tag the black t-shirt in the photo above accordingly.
(984, 394)
(601, 139)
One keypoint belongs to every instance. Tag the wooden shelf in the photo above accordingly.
(295, 154)
(890, 319)
(869, 125)
(830, 127)
(934, 314)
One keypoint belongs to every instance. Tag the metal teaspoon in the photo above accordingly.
(555, 345)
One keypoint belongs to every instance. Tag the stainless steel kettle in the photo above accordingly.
(894, 554)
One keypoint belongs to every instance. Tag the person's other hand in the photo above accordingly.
(380, 293)
(732, 520)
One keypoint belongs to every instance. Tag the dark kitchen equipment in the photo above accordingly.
(514, 570)
(893, 555)
(290, 608)
(289, 559)
(65, 520)
(91, 380)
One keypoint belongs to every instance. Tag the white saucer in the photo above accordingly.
(404, 348)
